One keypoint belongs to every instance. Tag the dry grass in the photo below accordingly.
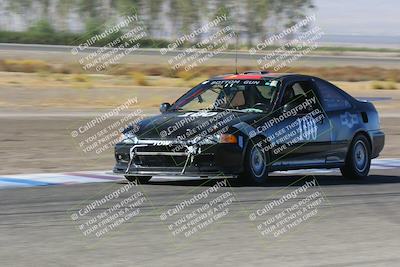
(57, 80)
(140, 78)
(62, 90)
(81, 81)
(384, 85)
(186, 75)
(28, 66)
(139, 72)
(81, 78)
(351, 74)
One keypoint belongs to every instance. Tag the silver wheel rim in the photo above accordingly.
(360, 156)
(258, 161)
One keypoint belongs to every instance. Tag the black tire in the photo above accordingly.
(358, 160)
(139, 179)
(255, 164)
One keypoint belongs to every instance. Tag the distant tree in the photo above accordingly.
(255, 19)
(126, 7)
(45, 8)
(153, 21)
(184, 14)
(19, 6)
(63, 9)
(291, 11)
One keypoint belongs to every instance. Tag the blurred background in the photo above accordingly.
(66, 63)
(60, 22)
(355, 23)
(51, 51)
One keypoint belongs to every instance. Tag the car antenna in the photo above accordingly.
(236, 53)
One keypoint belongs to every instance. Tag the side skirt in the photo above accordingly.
(294, 166)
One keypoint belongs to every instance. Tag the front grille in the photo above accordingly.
(160, 161)
(171, 148)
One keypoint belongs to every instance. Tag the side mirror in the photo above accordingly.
(164, 107)
(286, 108)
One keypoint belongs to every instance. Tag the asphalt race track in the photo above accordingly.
(357, 224)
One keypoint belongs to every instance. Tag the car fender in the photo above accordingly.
(249, 133)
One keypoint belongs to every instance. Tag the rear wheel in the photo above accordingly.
(256, 164)
(139, 179)
(358, 159)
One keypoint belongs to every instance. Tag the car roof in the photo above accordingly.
(251, 75)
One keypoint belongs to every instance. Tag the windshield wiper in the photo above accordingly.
(228, 109)
(184, 110)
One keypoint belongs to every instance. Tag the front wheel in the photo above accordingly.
(256, 164)
(358, 160)
(139, 179)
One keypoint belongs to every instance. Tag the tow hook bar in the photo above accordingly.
(191, 151)
(131, 156)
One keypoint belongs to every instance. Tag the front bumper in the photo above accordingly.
(152, 158)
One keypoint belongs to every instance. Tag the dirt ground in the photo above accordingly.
(32, 91)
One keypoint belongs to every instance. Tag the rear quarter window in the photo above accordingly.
(332, 99)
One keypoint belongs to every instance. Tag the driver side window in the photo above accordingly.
(293, 91)
(296, 93)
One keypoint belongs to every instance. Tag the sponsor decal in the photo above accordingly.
(349, 120)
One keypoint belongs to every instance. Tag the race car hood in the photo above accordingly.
(187, 125)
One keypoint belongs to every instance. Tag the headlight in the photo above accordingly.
(203, 140)
(218, 138)
(128, 138)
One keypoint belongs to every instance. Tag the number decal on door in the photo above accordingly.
(307, 128)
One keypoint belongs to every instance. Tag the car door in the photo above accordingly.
(303, 134)
(342, 117)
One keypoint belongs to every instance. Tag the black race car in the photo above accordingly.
(249, 124)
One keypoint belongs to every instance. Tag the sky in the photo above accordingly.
(361, 17)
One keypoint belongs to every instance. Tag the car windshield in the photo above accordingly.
(240, 95)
